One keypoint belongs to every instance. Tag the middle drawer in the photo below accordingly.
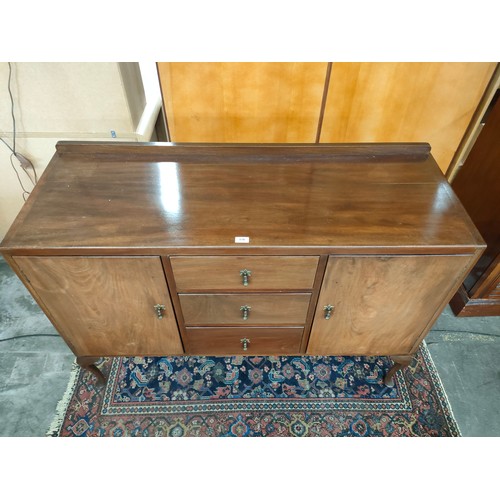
(245, 309)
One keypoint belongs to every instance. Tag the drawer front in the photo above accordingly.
(231, 341)
(226, 309)
(225, 273)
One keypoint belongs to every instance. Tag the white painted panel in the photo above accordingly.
(58, 98)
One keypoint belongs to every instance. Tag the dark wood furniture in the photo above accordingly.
(477, 185)
(147, 249)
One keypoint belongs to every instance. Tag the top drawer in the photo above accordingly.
(244, 273)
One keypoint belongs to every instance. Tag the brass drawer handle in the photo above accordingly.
(328, 311)
(245, 274)
(245, 343)
(159, 308)
(245, 311)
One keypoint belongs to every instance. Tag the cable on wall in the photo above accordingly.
(24, 162)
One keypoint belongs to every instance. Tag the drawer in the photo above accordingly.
(230, 341)
(225, 273)
(226, 309)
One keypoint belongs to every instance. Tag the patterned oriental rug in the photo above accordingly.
(255, 396)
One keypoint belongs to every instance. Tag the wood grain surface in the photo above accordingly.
(105, 306)
(84, 204)
(242, 102)
(223, 273)
(382, 305)
(397, 240)
(224, 309)
(221, 153)
(385, 102)
(225, 341)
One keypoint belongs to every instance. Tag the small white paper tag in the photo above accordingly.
(241, 239)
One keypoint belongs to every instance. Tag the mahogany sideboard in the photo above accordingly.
(152, 249)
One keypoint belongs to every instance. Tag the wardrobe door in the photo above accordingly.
(404, 102)
(242, 102)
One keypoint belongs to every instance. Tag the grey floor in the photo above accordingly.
(35, 365)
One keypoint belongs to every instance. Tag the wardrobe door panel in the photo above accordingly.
(404, 102)
(242, 102)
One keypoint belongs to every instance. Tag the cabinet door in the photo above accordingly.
(104, 306)
(382, 304)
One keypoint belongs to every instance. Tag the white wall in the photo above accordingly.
(62, 101)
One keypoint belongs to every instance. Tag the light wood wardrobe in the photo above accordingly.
(324, 102)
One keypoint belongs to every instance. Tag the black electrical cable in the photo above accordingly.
(32, 335)
(27, 163)
(24, 162)
(466, 331)
(25, 191)
(13, 148)
(7, 145)
(427, 342)
(12, 110)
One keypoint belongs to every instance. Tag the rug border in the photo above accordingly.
(442, 395)
(63, 404)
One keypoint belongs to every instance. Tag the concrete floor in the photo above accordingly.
(35, 365)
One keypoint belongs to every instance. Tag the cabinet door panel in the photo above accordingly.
(105, 305)
(381, 304)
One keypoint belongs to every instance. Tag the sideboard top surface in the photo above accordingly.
(97, 196)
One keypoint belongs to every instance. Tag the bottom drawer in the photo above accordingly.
(231, 341)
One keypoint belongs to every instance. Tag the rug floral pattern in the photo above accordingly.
(257, 396)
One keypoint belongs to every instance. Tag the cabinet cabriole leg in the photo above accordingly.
(399, 363)
(88, 363)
